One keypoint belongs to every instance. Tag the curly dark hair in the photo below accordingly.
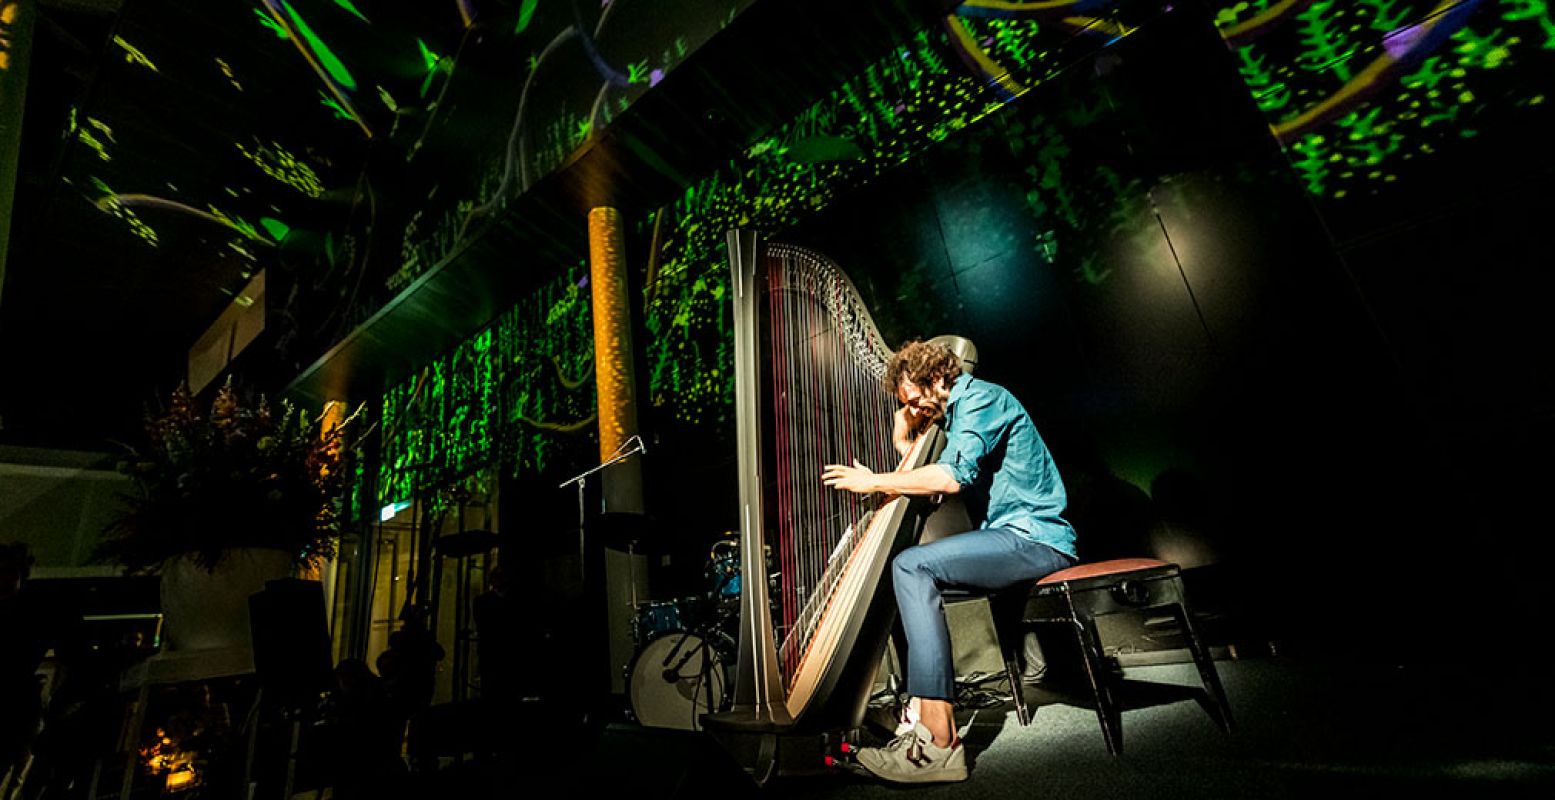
(922, 363)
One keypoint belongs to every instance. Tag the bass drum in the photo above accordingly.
(679, 677)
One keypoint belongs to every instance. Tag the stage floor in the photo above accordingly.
(1304, 729)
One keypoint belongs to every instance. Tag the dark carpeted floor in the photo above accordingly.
(1304, 729)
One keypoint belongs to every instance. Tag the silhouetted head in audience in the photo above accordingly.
(388, 663)
(15, 565)
(353, 675)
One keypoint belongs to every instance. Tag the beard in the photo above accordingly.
(929, 410)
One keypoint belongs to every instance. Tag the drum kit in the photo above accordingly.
(685, 648)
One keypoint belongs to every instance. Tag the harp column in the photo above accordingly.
(625, 578)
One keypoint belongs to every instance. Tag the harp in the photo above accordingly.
(809, 364)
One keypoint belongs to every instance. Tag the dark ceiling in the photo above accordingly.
(148, 192)
(169, 146)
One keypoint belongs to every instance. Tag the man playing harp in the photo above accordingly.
(994, 456)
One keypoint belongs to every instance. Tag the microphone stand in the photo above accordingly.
(635, 443)
(630, 447)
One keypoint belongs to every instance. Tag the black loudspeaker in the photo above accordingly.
(659, 764)
(291, 640)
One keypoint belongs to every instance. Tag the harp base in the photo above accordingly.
(766, 755)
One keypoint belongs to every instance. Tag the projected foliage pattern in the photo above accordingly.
(350, 146)
(1358, 90)
(569, 89)
(520, 392)
(901, 105)
(1347, 116)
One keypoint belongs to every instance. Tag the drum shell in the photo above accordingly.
(678, 676)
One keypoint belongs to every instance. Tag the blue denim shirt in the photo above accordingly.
(1007, 476)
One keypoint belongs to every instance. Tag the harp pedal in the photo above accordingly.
(840, 753)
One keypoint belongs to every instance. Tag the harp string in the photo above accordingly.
(829, 407)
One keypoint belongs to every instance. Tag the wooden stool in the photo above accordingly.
(1088, 591)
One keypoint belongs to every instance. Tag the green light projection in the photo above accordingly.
(1358, 91)
(278, 162)
(339, 111)
(270, 24)
(428, 58)
(226, 69)
(435, 65)
(526, 12)
(898, 107)
(240, 225)
(326, 57)
(332, 72)
(276, 228)
(543, 49)
(108, 201)
(89, 139)
(350, 7)
(1079, 204)
(551, 137)
(521, 390)
(119, 204)
(133, 54)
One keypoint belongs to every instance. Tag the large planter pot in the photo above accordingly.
(209, 610)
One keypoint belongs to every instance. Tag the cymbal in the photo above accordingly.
(622, 530)
(469, 543)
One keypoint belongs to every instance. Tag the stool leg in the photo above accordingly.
(1202, 659)
(1107, 711)
(1005, 608)
(1017, 689)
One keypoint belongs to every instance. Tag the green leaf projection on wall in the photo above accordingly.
(108, 201)
(1353, 90)
(88, 135)
(133, 55)
(563, 97)
(277, 162)
(902, 104)
(1360, 92)
(351, 8)
(898, 107)
(519, 393)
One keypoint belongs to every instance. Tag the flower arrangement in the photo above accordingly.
(240, 476)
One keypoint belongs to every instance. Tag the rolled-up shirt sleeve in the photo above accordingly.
(975, 428)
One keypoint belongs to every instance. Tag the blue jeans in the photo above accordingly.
(988, 559)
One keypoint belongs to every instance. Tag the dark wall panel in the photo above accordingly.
(1173, 314)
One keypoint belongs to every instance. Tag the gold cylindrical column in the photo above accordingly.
(625, 574)
(16, 25)
(613, 373)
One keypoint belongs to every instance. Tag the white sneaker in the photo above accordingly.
(913, 757)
